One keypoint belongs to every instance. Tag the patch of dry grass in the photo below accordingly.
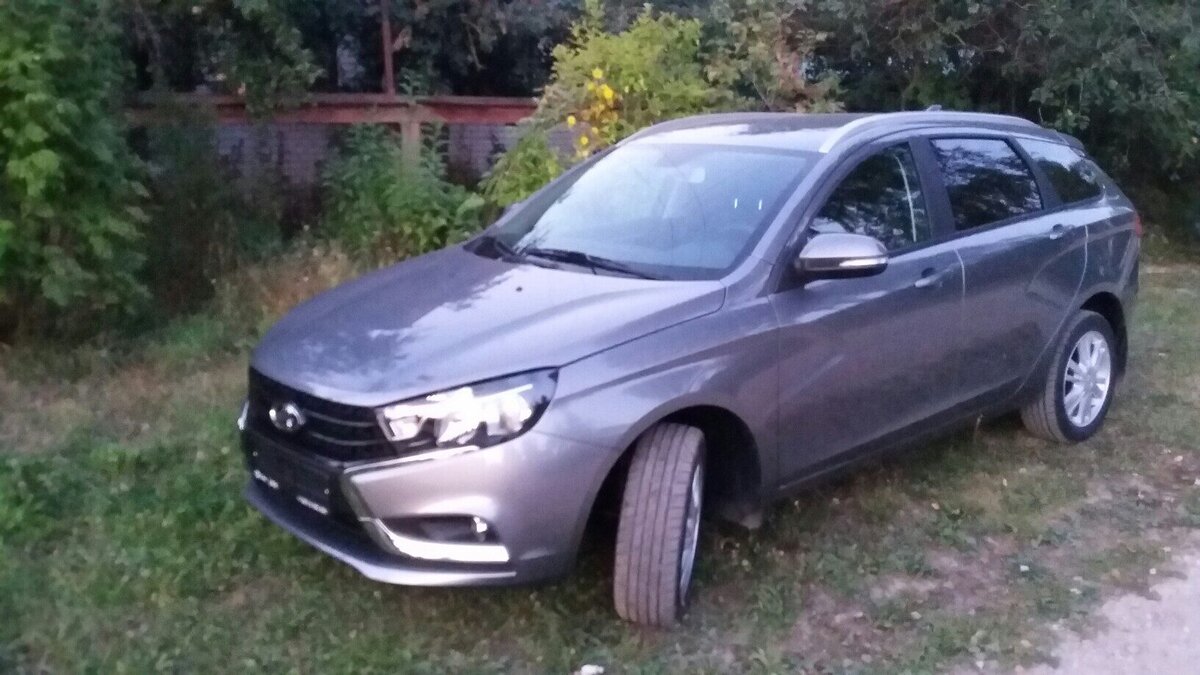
(257, 295)
(129, 392)
(962, 552)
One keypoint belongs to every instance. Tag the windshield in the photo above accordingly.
(669, 211)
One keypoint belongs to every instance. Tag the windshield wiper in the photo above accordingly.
(595, 262)
(504, 251)
(501, 247)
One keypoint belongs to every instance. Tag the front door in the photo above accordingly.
(865, 358)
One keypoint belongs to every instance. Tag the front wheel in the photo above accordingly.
(659, 528)
(1079, 386)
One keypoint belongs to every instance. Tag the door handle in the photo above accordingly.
(1057, 232)
(930, 278)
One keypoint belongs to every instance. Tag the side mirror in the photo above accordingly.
(841, 255)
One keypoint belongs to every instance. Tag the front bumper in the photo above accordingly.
(362, 553)
(535, 491)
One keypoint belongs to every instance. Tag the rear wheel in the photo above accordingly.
(659, 529)
(1079, 385)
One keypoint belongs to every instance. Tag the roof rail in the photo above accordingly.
(1070, 140)
(933, 117)
(695, 121)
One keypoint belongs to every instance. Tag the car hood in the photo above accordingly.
(452, 318)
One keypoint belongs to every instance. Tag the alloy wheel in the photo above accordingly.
(1088, 379)
(691, 531)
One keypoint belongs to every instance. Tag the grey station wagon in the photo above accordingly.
(711, 314)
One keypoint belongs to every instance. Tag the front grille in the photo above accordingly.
(343, 433)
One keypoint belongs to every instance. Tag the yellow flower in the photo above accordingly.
(571, 120)
(597, 73)
(583, 141)
(607, 92)
(591, 85)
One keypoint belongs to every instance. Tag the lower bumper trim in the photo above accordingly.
(363, 555)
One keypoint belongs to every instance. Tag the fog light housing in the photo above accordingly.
(445, 529)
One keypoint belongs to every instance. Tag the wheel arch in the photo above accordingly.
(735, 482)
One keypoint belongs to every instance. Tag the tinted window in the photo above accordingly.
(677, 211)
(880, 198)
(1073, 176)
(986, 179)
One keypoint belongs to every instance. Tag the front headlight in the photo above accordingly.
(479, 414)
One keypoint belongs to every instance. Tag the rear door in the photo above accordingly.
(1023, 259)
(864, 358)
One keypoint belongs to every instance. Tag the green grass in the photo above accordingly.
(125, 546)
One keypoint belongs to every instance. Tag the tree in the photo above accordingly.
(1122, 75)
(69, 192)
(251, 47)
(761, 52)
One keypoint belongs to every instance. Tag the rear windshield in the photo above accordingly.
(671, 211)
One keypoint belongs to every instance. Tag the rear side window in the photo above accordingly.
(986, 179)
(1073, 176)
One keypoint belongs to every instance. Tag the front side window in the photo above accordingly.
(666, 210)
(880, 198)
(1073, 176)
(986, 180)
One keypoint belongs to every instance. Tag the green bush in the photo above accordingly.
(527, 166)
(382, 209)
(606, 86)
(204, 220)
(609, 85)
(69, 215)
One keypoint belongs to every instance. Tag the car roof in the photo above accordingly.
(825, 132)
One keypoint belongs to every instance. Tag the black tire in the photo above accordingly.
(1046, 416)
(647, 586)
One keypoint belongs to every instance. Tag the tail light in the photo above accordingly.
(1138, 229)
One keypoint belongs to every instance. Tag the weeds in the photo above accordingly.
(125, 546)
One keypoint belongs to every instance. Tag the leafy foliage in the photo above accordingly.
(278, 48)
(605, 86)
(68, 188)
(518, 173)
(203, 219)
(758, 50)
(617, 83)
(478, 47)
(1121, 75)
(251, 47)
(381, 207)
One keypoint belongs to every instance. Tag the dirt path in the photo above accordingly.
(1142, 635)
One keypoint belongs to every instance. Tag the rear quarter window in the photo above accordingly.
(986, 180)
(1074, 177)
